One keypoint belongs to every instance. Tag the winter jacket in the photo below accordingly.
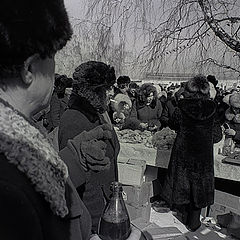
(81, 116)
(168, 111)
(190, 176)
(37, 199)
(150, 113)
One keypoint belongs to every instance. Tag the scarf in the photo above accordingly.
(32, 153)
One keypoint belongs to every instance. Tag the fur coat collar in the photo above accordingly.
(30, 151)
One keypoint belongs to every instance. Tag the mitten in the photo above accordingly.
(91, 149)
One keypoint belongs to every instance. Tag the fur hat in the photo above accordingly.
(197, 87)
(31, 27)
(119, 100)
(93, 75)
(123, 80)
(212, 80)
(234, 100)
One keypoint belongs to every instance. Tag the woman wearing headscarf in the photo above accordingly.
(149, 108)
(189, 185)
(87, 110)
(37, 197)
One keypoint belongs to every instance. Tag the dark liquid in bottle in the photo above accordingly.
(114, 231)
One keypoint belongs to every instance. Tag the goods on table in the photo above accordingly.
(133, 136)
(163, 139)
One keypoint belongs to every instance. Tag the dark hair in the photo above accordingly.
(123, 80)
(94, 75)
(30, 27)
(133, 85)
(145, 91)
(197, 87)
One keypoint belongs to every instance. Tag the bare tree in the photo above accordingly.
(190, 34)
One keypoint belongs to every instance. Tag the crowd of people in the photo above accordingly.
(58, 146)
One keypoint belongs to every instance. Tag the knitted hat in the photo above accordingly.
(119, 100)
(234, 100)
(30, 27)
(93, 75)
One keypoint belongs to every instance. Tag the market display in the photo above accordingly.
(163, 139)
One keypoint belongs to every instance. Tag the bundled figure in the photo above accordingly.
(87, 109)
(232, 115)
(189, 185)
(149, 108)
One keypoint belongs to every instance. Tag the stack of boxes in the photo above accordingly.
(137, 187)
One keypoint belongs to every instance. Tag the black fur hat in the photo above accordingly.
(94, 74)
(30, 27)
(123, 80)
(197, 87)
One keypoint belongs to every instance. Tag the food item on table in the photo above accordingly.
(164, 139)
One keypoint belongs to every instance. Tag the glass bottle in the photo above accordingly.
(114, 223)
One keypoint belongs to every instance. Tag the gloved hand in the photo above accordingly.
(91, 149)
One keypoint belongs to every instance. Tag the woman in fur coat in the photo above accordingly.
(87, 110)
(189, 186)
(149, 108)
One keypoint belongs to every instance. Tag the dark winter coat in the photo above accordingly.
(168, 111)
(37, 198)
(191, 168)
(150, 113)
(26, 215)
(79, 117)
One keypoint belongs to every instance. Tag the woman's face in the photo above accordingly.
(150, 98)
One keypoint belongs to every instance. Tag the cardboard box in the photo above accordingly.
(131, 171)
(137, 195)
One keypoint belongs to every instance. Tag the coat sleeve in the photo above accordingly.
(18, 218)
(55, 106)
(175, 119)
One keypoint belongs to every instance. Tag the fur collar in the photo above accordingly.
(96, 99)
(31, 152)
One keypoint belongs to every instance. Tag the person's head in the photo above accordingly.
(92, 80)
(148, 93)
(197, 87)
(234, 102)
(133, 88)
(123, 83)
(61, 83)
(31, 32)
